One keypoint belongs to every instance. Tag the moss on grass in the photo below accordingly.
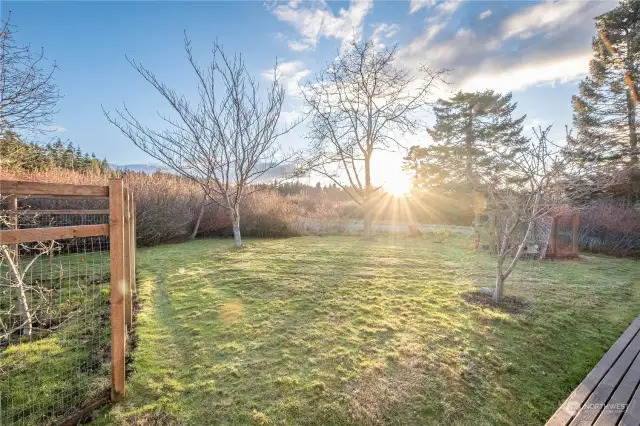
(338, 331)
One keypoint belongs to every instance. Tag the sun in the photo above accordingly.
(398, 184)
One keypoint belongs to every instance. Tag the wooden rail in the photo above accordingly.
(65, 211)
(52, 190)
(121, 230)
(18, 236)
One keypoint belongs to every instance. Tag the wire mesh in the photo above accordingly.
(54, 317)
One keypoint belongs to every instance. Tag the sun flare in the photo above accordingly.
(399, 184)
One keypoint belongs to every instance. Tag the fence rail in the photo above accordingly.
(42, 264)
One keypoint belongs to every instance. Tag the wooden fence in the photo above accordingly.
(120, 230)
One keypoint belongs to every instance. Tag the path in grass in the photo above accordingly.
(339, 331)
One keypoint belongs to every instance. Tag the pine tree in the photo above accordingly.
(470, 129)
(606, 109)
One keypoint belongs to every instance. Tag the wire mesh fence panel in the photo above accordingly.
(55, 316)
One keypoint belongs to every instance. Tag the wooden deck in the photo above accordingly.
(610, 394)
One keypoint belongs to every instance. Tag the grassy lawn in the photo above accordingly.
(65, 363)
(337, 331)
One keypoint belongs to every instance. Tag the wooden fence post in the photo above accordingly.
(132, 242)
(116, 255)
(126, 246)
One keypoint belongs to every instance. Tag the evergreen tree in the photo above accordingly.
(470, 129)
(605, 113)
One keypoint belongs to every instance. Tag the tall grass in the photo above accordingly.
(167, 207)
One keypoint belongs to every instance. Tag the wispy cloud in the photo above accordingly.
(523, 75)
(485, 14)
(55, 129)
(291, 73)
(313, 20)
(383, 31)
(539, 44)
(416, 5)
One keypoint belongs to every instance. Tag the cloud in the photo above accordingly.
(549, 15)
(55, 129)
(313, 20)
(485, 14)
(383, 31)
(540, 44)
(522, 75)
(297, 46)
(291, 73)
(416, 5)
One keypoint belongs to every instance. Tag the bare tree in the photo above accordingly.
(537, 186)
(225, 141)
(16, 273)
(361, 103)
(28, 94)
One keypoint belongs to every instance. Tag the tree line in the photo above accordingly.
(18, 154)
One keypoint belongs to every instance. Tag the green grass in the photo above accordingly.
(337, 331)
(64, 364)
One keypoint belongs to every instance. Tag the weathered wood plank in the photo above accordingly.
(44, 211)
(632, 416)
(41, 189)
(118, 332)
(594, 405)
(133, 244)
(568, 409)
(17, 236)
(126, 247)
(617, 404)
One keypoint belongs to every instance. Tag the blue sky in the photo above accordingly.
(538, 50)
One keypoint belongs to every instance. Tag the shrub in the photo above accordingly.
(610, 229)
(167, 207)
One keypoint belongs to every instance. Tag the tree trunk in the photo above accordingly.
(468, 142)
(26, 326)
(499, 291)
(368, 226)
(197, 226)
(25, 315)
(631, 103)
(633, 135)
(235, 220)
(368, 216)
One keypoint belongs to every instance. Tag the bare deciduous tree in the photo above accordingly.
(28, 94)
(542, 185)
(16, 274)
(225, 141)
(360, 104)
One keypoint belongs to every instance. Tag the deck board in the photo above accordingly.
(585, 404)
(621, 396)
(632, 415)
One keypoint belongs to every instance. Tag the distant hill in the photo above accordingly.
(279, 172)
(145, 168)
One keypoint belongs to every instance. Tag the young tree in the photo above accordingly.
(28, 94)
(474, 135)
(539, 168)
(605, 112)
(362, 103)
(225, 141)
(543, 185)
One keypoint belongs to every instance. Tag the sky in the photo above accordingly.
(537, 50)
